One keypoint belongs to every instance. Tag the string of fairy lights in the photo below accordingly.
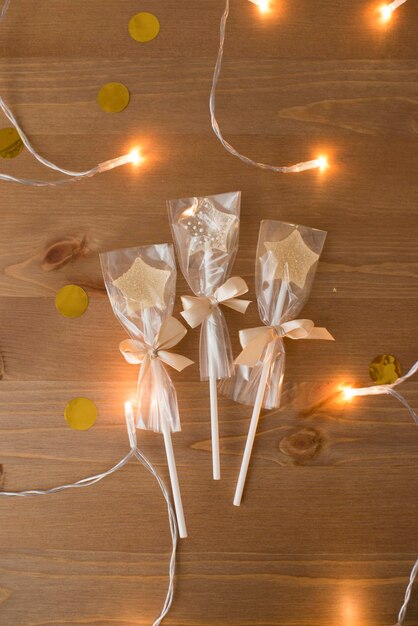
(320, 162)
(134, 157)
(385, 10)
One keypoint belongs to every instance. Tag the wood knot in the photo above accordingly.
(302, 445)
(62, 252)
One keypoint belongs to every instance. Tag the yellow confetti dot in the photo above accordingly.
(385, 369)
(113, 97)
(144, 27)
(71, 301)
(80, 413)
(11, 144)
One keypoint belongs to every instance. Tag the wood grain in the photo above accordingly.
(326, 535)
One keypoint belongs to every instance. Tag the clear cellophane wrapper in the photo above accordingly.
(142, 311)
(272, 292)
(206, 250)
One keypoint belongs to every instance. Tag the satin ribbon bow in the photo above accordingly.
(171, 332)
(197, 308)
(255, 340)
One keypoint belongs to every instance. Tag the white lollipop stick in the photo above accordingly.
(175, 487)
(278, 311)
(169, 451)
(253, 428)
(213, 391)
(214, 422)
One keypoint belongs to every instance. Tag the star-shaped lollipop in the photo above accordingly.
(291, 258)
(208, 226)
(288, 259)
(143, 285)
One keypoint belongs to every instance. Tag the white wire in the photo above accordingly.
(174, 534)
(73, 175)
(4, 10)
(37, 156)
(395, 4)
(376, 390)
(86, 482)
(412, 578)
(41, 183)
(299, 167)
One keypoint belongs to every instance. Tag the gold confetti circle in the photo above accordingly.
(144, 27)
(113, 97)
(71, 301)
(80, 413)
(11, 144)
(385, 369)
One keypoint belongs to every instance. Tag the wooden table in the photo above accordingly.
(327, 532)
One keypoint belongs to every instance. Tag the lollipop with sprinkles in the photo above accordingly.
(208, 227)
(205, 231)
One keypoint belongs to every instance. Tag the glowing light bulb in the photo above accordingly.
(263, 5)
(387, 10)
(323, 163)
(136, 157)
(348, 393)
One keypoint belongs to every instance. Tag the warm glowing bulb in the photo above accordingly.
(387, 9)
(348, 393)
(135, 156)
(263, 5)
(323, 163)
(385, 12)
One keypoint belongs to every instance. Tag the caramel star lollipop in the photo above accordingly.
(292, 258)
(281, 254)
(208, 226)
(143, 285)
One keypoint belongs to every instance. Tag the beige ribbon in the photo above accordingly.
(255, 340)
(171, 332)
(197, 308)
